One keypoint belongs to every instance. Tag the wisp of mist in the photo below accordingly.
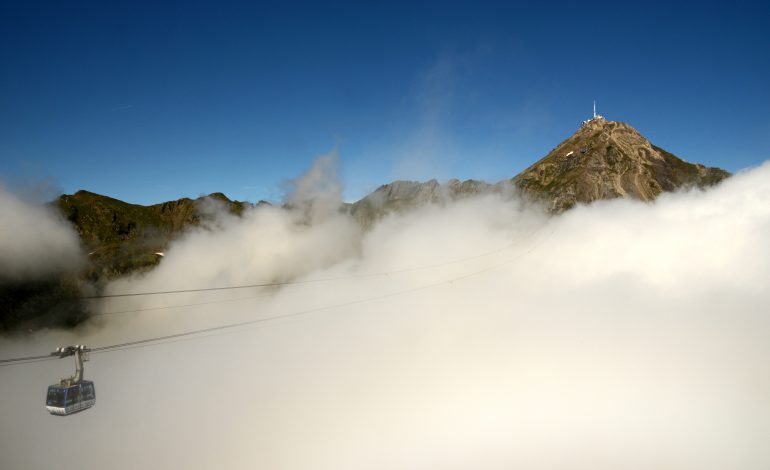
(475, 334)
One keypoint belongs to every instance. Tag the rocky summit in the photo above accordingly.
(606, 160)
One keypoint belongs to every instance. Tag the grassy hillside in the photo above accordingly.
(122, 238)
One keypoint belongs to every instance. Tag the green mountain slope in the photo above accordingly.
(122, 237)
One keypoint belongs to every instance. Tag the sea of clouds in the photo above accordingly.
(476, 334)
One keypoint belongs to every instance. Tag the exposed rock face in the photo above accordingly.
(606, 160)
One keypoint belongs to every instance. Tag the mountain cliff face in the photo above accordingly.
(607, 160)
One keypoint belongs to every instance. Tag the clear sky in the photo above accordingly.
(151, 101)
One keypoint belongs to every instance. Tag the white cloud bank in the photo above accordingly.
(34, 241)
(622, 335)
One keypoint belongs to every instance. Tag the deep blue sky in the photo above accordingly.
(154, 101)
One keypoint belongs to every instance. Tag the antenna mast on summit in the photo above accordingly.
(596, 116)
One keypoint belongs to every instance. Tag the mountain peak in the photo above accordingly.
(605, 160)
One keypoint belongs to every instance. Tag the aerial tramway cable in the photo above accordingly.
(290, 283)
(310, 281)
(24, 359)
(159, 339)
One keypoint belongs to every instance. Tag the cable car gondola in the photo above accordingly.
(73, 394)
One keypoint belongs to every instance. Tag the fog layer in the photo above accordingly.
(470, 335)
(34, 240)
